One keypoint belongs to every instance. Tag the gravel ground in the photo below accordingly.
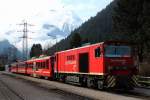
(19, 89)
(56, 90)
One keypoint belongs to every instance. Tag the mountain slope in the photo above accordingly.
(9, 51)
(4, 44)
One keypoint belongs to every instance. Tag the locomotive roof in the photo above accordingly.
(81, 47)
(106, 42)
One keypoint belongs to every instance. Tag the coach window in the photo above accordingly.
(47, 64)
(97, 52)
(44, 66)
(40, 64)
(32, 65)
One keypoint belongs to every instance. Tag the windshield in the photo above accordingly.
(117, 51)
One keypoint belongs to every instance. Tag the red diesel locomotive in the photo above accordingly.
(103, 65)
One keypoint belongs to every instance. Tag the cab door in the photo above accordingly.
(84, 62)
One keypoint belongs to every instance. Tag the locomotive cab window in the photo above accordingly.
(97, 52)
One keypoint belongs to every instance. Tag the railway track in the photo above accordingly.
(137, 94)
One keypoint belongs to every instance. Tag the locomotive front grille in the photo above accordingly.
(135, 81)
(119, 81)
(110, 81)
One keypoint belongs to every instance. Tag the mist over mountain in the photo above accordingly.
(9, 50)
(62, 24)
(4, 44)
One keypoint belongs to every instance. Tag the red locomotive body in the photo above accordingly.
(106, 64)
(81, 60)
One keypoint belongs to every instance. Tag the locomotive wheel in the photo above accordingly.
(90, 83)
(100, 85)
(83, 81)
(62, 78)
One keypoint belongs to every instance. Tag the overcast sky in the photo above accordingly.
(12, 12)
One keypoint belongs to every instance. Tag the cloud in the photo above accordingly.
(13, 11)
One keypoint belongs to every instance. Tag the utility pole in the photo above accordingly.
(25, 39)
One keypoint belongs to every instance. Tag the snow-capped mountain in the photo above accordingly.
(60, 22)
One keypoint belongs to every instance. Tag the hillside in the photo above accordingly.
(8, 53)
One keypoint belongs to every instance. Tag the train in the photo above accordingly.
(104, 65)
